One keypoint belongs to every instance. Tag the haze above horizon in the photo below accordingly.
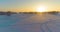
(29, 5)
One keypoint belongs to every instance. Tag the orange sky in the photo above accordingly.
(28, 5)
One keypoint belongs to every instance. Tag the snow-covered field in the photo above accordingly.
(30, 23)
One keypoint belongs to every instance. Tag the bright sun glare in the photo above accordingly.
(41, 9)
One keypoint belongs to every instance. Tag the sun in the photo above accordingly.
(41, 9)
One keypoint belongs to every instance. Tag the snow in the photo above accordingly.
(30, 23)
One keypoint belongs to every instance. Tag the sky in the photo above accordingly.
(28, 5)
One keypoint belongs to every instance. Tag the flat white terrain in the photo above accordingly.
(30, 23)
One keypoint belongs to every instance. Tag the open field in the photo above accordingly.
(30, 23)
